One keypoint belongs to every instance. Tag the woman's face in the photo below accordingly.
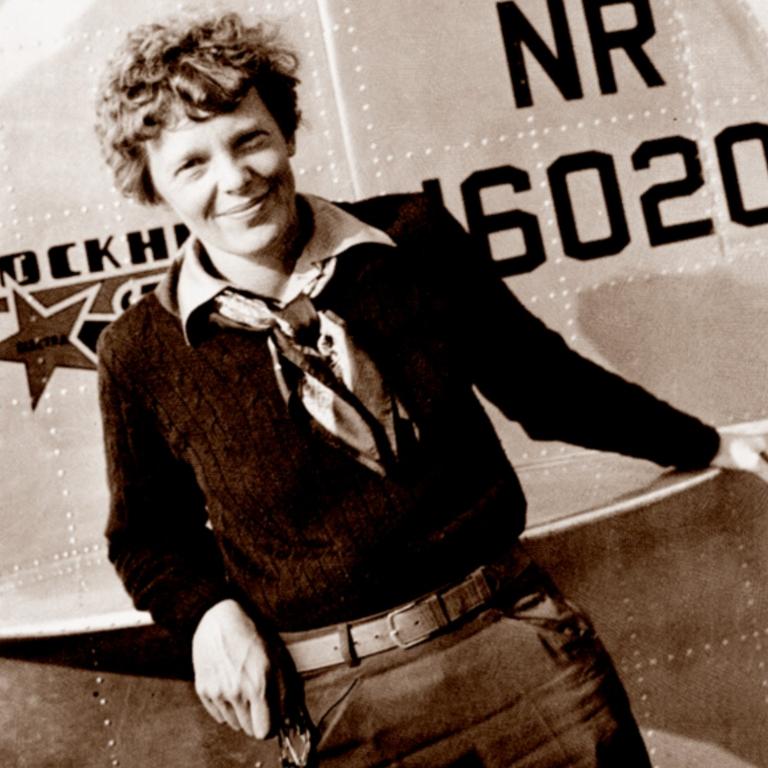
(229, 179)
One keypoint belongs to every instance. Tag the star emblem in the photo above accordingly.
(47, 337)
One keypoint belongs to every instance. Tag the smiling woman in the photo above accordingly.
(164, 73)
(229, 179)
(302, 477)
(203, 119)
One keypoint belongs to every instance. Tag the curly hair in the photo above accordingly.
(199, 69)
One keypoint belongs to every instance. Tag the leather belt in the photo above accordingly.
(402, 627)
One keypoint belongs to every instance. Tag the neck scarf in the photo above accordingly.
(335, 382)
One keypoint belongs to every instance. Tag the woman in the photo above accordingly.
(302, 477)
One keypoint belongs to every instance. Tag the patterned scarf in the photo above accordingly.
(319, 366)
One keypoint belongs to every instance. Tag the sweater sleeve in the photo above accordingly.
(157, 536)
(531, 374)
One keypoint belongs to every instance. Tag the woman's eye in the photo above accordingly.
(253, 140)
(189, 165)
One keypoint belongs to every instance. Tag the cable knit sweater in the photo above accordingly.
(218, 491)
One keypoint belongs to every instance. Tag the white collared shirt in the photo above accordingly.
(334, 232)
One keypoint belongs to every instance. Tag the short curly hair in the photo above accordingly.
(199, 68)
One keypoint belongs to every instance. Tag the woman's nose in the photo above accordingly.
(234, 174)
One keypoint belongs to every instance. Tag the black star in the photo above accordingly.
(44, 339)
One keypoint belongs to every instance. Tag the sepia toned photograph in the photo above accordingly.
(384, 384)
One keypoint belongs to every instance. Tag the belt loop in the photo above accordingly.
(347, 645)
(482, 584)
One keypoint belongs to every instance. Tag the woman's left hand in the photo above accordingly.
(743, 451)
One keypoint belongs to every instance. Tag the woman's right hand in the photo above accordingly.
(236, 676)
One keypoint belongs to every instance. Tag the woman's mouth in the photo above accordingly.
(245, 209)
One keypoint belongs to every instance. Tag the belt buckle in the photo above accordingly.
(436, 612)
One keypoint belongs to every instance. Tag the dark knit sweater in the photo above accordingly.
(218, 491)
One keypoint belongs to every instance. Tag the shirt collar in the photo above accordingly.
(196, 282)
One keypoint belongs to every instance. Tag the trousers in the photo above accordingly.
(524, 683)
